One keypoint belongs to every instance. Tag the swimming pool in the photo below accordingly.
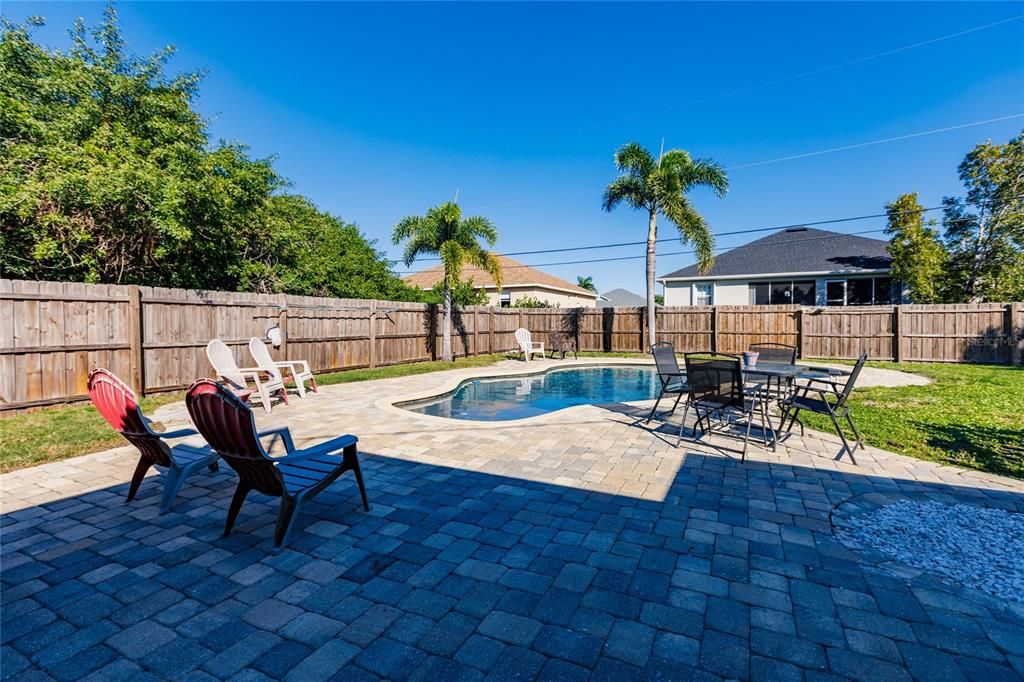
(518, 397)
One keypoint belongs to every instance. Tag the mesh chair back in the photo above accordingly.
(228, 425)
(852, 379)
(665, 361)
(775, 352)
(223, 361)
(715, 378)
(263, 360)
(117, 403)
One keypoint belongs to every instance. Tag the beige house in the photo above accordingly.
(518, 281)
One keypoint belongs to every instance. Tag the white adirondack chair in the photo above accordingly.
(299, 369)
(238, 378)
(527, 346)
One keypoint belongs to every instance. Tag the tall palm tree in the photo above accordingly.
(660, 186)
(444, 232)
(586, 283)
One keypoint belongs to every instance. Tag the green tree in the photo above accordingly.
(444, 232)
(464, 292)
(107, 175)
(919, 258)
(586, 283)
(659, 299)
(532, 302)
(659, 186)
(984, 231)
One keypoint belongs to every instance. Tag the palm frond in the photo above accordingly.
(706, 173)
(487, 261)
(693, 229)
(481, 227)
(453, 255)
(631, 189)
(632, 157)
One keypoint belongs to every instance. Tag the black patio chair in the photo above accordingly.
(835, 408)
(671, 379)
(717, 390)
(775, 352)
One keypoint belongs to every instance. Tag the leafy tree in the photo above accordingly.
(463, 293)
(532, 302)
(444, 232)
(984, 231)
(660, 187)
(659, 299)
(586, 283)
(919, 258)
(107, 175)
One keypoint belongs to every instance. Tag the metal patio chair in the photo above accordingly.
(717, 390)
(775, 352)
(835, 408)
(672, 381)
(117, 403)
(299, 475)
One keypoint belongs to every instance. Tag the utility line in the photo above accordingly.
(814, 72)
(874, 142)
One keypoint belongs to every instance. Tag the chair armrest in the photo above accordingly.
(327, 447)
(180, 433)
(281, 432)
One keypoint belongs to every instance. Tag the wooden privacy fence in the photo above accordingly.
(52, 333)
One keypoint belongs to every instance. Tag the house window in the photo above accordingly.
(835, 292)
(883, 290)
(782, 293)
(506, 300)
(703, 294)
(858, 291)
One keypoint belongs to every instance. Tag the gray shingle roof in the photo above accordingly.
(801, 249)
(621, 297)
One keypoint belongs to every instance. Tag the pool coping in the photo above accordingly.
(452, 383)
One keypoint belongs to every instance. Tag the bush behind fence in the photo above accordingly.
(54, 333)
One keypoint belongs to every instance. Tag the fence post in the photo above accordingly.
(801, 338)
(476, 332)
(1015, 334)
(490, 337)
(373, 334)
(282, 323)
(137, 360)
(643, 320)
(714, 329)
(897, 334)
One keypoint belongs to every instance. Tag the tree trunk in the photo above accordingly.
(446, 338)
(652, 238)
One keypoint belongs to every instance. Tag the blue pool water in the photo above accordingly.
(528, 396)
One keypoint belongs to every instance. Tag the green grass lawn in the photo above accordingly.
(971, 416)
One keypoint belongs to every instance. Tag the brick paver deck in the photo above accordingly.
(574, 546)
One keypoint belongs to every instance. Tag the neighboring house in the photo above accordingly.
(798, 265)
(518, 281)
(621, 298)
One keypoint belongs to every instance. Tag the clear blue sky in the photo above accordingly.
(377, 111)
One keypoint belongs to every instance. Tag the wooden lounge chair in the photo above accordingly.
(238, 378)
(299, 369)
(229, 427)
(119, 406)
(527, 346)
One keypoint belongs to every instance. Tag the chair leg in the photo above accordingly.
(236, 503)
(351, 458)
(264, 396)
(312, 383)
(860, 442)
(285, 521)
(746, 440)
(655, 408)
(682, 424)
(842, 436)
(173, 480)
(140, 472)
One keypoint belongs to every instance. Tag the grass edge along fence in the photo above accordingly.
(54, 333)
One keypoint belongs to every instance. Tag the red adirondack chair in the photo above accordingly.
(229, 427)
(118, 405)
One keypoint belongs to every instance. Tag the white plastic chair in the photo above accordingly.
(527, 346)
(299, 369)
(238, 378)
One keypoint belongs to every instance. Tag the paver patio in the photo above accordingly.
(572, 546)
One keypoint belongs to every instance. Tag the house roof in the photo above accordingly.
(514, 274)
(796, 250)
(623, 298)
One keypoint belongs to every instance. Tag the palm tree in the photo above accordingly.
(660, 186)
(444, 232)
(586, 283)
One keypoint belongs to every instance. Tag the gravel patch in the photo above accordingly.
(975, 546)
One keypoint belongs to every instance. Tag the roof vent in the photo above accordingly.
(797, 229)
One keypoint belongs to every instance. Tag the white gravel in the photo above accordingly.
(975, 546)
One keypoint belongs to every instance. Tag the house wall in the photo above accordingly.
(737, 291)
(559, 298)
